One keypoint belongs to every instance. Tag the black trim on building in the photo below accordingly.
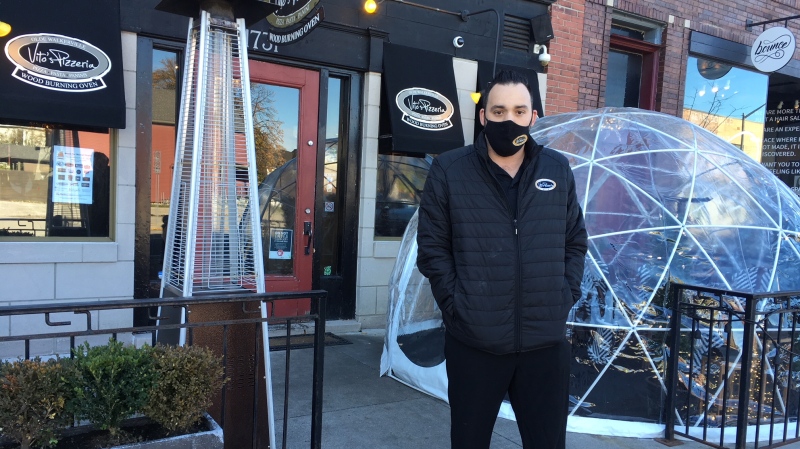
(56, 69)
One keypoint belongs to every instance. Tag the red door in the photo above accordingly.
(285, 109)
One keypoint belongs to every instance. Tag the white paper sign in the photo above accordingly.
(773, 49)
(73, 175)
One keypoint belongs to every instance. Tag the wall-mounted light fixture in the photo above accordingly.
(4, 29)
(370, 6)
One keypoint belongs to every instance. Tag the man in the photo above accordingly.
(502, 239)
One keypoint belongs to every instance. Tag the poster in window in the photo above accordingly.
(280, 243)
(73, 175)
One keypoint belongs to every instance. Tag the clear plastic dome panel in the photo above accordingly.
(618, 205)
(662, 175)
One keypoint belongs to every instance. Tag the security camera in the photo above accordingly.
(544, 59)
(458, 42)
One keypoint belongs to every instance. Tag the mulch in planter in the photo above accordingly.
(133, 431)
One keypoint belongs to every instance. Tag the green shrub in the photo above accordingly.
(33, 395)
(187, 378)
(112, 383)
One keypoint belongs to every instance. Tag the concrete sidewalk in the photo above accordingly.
(364, 411)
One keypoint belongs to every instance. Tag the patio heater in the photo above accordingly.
(213, 245)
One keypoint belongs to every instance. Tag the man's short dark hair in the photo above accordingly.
(507, 77)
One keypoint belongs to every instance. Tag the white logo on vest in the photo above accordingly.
(425, 109)
(56, 62)
(773, 49)
(545, 184)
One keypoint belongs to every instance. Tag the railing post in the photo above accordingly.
(319, 359)
(749, 327)
(672, 366)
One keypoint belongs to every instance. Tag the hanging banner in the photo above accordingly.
(73, 175)
(62, 63)
(421, 100)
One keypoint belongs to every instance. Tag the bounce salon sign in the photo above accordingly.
(773, 49)
(56, 62)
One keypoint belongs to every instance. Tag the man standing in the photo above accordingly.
(502, 240)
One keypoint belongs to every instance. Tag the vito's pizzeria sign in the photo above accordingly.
(56, 62)
(290, 23)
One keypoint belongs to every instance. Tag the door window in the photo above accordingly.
(276, 116)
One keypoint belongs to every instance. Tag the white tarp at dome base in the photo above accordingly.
(664, 200)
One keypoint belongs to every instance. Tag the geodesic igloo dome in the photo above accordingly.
(663, 200)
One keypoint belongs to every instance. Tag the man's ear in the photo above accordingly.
(534, 116)
(483, 117)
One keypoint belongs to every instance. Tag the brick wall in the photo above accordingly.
(565, 48)
(577, 75)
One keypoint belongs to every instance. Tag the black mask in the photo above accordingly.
(506, 138)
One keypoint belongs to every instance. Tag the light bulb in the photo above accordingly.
(4, 29)
(370, 6)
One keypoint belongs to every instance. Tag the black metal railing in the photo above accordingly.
(733, 366)
(219, 321)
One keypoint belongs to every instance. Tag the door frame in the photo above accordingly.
(307, 83)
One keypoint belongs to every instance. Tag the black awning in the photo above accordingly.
(422, 101)
(62, 63)
(485, 76)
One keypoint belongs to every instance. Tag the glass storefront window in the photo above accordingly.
(399, 191)
(728, 101)
(54, 182)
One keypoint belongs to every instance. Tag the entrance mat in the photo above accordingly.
(305, 341)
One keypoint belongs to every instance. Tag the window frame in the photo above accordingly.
(113, 155)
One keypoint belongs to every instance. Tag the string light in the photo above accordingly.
(370, 6)
(4, 29)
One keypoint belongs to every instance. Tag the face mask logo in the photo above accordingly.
(506, 138)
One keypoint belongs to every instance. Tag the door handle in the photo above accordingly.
(310, 233)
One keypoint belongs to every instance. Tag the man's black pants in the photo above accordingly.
(537, 383)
